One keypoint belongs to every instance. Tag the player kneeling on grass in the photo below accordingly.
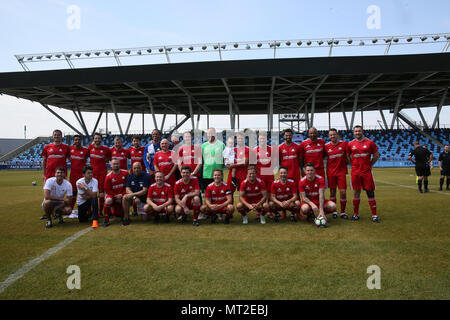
(283, 196)
(312, 193)
(115, 190)
(136, 188)
(55, 189)
(252, 196)
(87, 192)
(159, 199)
(187, 196)
(218, 199)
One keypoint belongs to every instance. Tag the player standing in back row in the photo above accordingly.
(444, 165)
(312, 151)
(362, 153)
(336, 151)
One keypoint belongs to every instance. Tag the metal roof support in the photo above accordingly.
(207, 121)
(238, 121)
(143, 120)
(96, 123)
(83, 124)
(129, 123)
(439, 108)
(106, 121)
(384, 119)
(186, 118)
(345, 116)
(163, 121)
(191, 112)
(355, 105)
(180, 86)
(152, 111)
(78, 119)
(306, 117)
(113, 106)
(270, 111)
(370, 79)
(60, 118)
(422, 117)
(198, 121)
(117, 58)
(362, 120)
(313, 109)
(397, 104)
(232, 114)
(329, 120)
(225, 83)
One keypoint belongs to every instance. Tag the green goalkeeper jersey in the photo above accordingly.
(212, 157)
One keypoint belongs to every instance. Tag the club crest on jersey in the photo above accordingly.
(293, 150)
(51, 150)
(256, 188)
(284, 151)
(329, 150)
(182, 190)
(287, 189)
(154, 193)
(160, 158)
(315, 186)
(279, 190)
(113, 180)
(340, 148)
(123, 178)
(60, 150)
(221, 191)
(162, 193)
(306, 146)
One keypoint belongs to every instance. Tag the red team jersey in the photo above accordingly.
(181, 189)
(337, 158)
(165, 162)
(313, 152)
(122, 155)
(137, 155)
(56, 157)
(78, 158)
(311, 187)
(217, 194)
(253, 191)
(361, 152)
(289, 156)
(264, 160)
(160, 195)
(241, 154)
(115, 183)
(282, 191)
(99, 157)
(188, 154)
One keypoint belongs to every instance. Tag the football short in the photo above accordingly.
(363, 181)
(54, 203)
(325, 202)
(73, 180)
(100, 176)
(423, 171)
(445, 172)
(337, 181)
(112, 195)
(321, 172)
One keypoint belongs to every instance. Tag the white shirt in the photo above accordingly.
(58, 190)
(228, 155)
(92, 186)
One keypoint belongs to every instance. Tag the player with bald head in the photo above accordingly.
(312, 151)
(137, 186)
(212, 157)
(164, 161)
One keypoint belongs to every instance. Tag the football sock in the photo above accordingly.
(102, 204)
(134, 207)
(343, 204)
(441, 182)
(419, 183)
(373, 206)
(118, 210)
(356, 205)
(448, 182)
(195, 211)
(333, 199)
(73, 201)
(425, 184)
(107, 212)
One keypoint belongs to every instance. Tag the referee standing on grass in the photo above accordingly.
(422, 159)
(444, 165)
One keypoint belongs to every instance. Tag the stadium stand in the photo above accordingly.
(394, 145)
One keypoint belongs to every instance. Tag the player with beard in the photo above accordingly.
(283, 196)
(78, 158)
(99, 156)
(312, 151)
(362, 153)
(187, 196)
(336, 151)
(120, 153)
(54, 155)
(264, 165)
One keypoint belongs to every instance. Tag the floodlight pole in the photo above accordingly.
(113, 106)
(397, 104)
(345, 116)
(96, 124)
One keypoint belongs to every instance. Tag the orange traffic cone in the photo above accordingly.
(94, 224)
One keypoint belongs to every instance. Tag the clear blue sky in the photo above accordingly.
(40, 26)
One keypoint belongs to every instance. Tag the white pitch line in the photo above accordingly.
(33, 263)
(409, 187)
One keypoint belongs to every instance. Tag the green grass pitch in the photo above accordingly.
(273, 261)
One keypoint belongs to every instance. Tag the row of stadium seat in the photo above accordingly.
(393, 145)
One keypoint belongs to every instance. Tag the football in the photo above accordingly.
(34, 183)
(320, 221)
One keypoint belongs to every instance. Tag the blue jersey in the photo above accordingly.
(149, 153)
(137, 183)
